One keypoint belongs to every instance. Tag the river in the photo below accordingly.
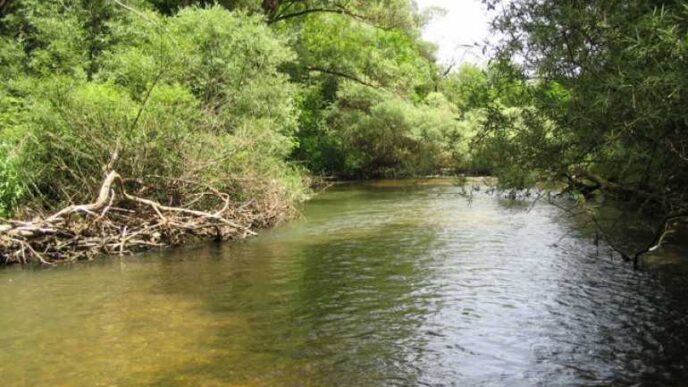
(380, 283)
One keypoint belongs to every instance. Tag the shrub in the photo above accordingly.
(192, 96)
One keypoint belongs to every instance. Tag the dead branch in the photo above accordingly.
(118, 222)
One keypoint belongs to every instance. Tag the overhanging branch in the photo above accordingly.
(342, 75)
(336, 10)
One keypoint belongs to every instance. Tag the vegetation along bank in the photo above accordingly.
(129, 125)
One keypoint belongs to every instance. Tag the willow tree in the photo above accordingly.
(610, 87)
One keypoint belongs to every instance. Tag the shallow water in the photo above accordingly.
(390, 283)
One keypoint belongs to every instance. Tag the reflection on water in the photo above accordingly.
(380, 284)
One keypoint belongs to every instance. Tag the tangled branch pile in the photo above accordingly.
(118, 222)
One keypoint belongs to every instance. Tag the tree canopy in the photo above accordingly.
(607, 90)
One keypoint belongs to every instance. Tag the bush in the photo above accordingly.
(381, 134)
(193, 96)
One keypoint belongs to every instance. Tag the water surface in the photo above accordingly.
(388, 283)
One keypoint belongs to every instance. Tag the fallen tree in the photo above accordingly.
(118, 222)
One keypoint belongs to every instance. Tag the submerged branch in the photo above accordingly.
(664, 229)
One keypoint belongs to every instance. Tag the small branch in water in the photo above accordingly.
(658, 238)
(661, 233)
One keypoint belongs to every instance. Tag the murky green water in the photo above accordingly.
(380, 284)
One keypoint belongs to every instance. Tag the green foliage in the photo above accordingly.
(381, 134)
(64, 37)
(170, 7)
(468, 88)
(229, 92)
(15, 173)
(229, 63)
(12, 187)
(194, 96)
(358, 76)
(611, 94)
(329, 44)
(318, 147)
(75, 135)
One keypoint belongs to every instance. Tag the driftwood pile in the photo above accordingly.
(121, 223)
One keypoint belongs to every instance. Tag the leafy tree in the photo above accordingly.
(611, 87)
(334, 52)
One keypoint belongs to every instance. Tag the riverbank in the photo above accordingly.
(120, 223)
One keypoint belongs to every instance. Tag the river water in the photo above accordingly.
(383, 283)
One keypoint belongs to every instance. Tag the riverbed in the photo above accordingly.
(380, 283)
